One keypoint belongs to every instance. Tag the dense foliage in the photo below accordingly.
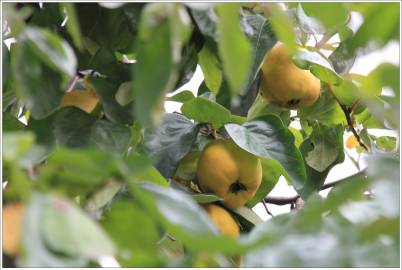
(118, 178)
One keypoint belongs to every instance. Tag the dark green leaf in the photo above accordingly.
(111, 137)
(170, 142)
(267, 137)
(40, 88)
(262, 40)
(114, 111)
(72, 127)
(206, 198)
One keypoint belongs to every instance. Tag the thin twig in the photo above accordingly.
(355, 162)
(347, 112)
(324, 39)
(266, 208)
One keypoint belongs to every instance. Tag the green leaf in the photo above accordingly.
(182, 96)
(381, 24)
(318, 65)
(210, 66)
(107, 91)
(131, 227)
(40, 87)
(248, 214)
(206, 198)
(386, 143)
(180, 210)
(52, 50)
(72, 127)
(168, 144)
(158, 48)
(206, 21)
(325, 110)
(346, 92)
(36, 251)
(262, 39)
(283, 27)
(271, 172)
(325, 150)
(72, 24)
(234, 48)
(205, 111)
(15, 144)
(308, 24)
(297, 134)
(315, 178)
(103, 196)
(67, 229)
(331, 15)
(267, 137)
(341, 59)
(111, 137)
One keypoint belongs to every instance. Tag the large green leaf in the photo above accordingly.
(72, 24)
(36, 251)
(67, 229)
(234, 48)
(158, 48)
(170, 142)
(331, 150)
(72, 127)
(267, 137)
(381, 24)
(325, 143)
(325, 110)
(39, 86)
(107, 90)
(331, 15)
(132, 229)
(206, 111)
(52, 50)
(111, 137)
(318, 65)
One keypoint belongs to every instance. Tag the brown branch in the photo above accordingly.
(347, 112)
(293, 200)
(324, 39)
(266, 208)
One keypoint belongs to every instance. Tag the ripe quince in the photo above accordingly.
(85, 99)
(226, 224)
(286, 84)
(223, 220)
(228, 171)
(12, 226)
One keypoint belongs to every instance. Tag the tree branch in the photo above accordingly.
(293, 200)
(347, 111)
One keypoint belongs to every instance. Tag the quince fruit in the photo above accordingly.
(228, 171)
(223, 220)
(85, 99)
(12, 225)
(286, 84)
